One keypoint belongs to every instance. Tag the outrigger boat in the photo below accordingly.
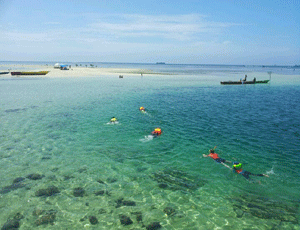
(244, 81)
(30, 73)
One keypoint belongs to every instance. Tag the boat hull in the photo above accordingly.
(30, 73)
(243, 82)
(4, 72)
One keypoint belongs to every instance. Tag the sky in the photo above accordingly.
(250, 32)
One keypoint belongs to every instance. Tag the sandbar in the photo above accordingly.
(88, 71)
(75, 71)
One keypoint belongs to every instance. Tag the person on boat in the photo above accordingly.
(113, 120)
(215, 156)
(254, 79)
(245, 78)
(142, 109)
(238, 168)
(157, 132)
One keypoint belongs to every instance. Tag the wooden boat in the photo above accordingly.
(30, 73)
(4, 72)
(244, 82)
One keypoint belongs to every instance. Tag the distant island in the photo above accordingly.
(160, 63)
(280, 66)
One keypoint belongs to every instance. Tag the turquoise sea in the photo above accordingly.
(64, 166)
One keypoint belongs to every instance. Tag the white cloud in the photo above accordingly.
(52, 23)
(175, 27)
(125, 27)
(134, 37)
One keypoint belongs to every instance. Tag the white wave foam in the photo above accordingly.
(112, 123)
(147, 138)
(271, 172)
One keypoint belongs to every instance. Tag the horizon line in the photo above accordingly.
(161, 63)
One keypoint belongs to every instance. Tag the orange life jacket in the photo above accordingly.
(238, 171)
(157, 131)
(213, 156)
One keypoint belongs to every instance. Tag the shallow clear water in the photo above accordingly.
(59, 128)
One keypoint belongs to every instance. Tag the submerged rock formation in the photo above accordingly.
(93, 220)
(264, 208)
(48, 217)
(11, 187)
(121, 202)
(177, 180)
(78, 192)
(50, 191)
(125, 220)
(17, 183)
(34, 176)
(153, 226)
(14, 223)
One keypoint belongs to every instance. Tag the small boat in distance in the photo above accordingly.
(4, 72)
(244, 81)
(30, 73)
(160, 63)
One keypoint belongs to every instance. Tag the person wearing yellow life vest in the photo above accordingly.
(142, 109)
(238, 168)
(113, 119)
(156, 132)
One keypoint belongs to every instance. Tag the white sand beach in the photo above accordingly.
(88, 71)
(74, 71)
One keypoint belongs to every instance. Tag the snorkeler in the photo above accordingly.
(142, 109)
(157, 132)
(215, 156)
(113, 120)
(238, 168)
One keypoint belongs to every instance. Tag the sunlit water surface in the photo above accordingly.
(59, 128)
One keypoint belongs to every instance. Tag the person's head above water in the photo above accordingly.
(157, 131)
(237, 165)
(113, 119)
(211, 151)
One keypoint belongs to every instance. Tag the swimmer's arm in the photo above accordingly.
(226, 165)
(265, 175)
(204, 155)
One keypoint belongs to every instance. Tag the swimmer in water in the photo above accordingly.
(142, 109)
(157, 132)
(215, 156)
(237, 168)
(113, 120)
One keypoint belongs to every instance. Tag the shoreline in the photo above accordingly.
(74, 71)
(79, 71)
